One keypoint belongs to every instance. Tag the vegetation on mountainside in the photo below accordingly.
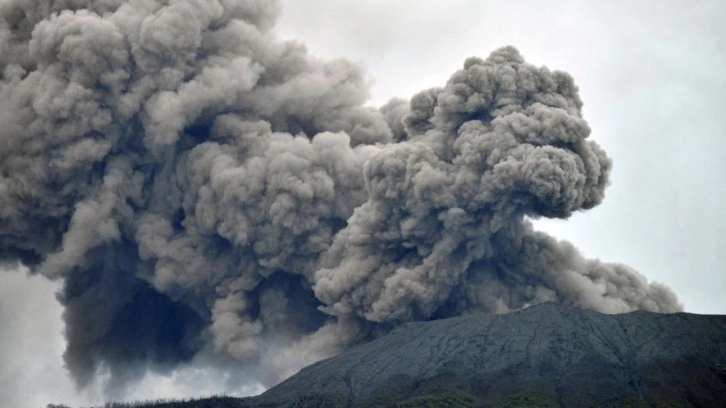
(211, 402)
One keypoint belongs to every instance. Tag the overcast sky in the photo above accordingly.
(651, 75)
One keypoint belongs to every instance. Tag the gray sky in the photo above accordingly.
(650, 74)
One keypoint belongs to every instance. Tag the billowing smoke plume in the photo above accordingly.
(201, 187)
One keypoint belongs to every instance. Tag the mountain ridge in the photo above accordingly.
(523, 347)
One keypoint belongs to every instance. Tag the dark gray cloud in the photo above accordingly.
(204, 190)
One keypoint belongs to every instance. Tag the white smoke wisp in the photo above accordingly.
(205, 190)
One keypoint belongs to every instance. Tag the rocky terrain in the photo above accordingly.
(548, 355)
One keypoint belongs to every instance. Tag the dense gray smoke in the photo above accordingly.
(203, 188)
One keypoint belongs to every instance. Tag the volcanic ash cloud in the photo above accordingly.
(203, 188)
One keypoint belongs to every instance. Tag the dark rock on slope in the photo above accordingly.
(547, 356)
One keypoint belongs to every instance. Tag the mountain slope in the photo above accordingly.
(548, 353)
